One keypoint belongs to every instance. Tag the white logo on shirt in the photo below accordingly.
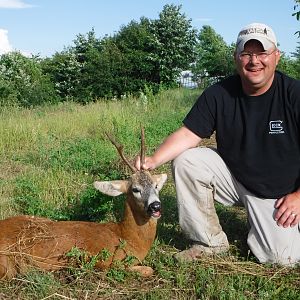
(276, 127)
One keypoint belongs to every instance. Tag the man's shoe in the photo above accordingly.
(197, 251)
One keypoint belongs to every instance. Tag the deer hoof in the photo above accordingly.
(144, 271)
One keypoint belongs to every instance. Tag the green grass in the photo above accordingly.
(50, 157)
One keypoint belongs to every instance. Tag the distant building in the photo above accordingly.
(186, 80)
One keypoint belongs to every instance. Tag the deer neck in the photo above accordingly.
(136, 225)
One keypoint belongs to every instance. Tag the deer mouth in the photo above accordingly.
(156, 215)
(154, 210)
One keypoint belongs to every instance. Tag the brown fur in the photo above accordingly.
(27, 241)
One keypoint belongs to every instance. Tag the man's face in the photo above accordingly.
(256, 71)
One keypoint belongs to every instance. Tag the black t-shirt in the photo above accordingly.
(257, 137)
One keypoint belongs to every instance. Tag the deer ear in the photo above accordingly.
(112, 188)
(160, 180)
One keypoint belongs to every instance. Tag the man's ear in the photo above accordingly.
(277, 55)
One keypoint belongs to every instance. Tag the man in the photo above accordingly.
(256, 117)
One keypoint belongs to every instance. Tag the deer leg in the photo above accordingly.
(7, 269)
(144, 271)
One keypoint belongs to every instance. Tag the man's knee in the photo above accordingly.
(280, 253)
(181, 159)
(194, 157)
(278, 259)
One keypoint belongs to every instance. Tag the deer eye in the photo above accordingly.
(136, 190)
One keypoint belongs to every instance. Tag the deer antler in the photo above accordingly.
(120, 150)
(143, 148)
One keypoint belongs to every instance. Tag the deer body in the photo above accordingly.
(27, 241)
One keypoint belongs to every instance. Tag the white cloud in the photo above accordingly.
(5, 46)
(14, 4)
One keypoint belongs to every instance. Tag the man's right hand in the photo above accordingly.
(179, 141)
(149, 163)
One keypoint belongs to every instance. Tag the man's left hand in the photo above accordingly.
(288, 210)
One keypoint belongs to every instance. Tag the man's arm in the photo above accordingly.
(176, 143)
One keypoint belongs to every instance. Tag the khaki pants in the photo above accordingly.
(201, 177)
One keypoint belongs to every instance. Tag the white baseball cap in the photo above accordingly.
(256, 31)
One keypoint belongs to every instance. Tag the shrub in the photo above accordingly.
(22, 81)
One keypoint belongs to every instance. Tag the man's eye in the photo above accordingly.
(262, 54)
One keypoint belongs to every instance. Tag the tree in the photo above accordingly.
(297, 13)
(103, 74)
(135, 41)
(174, 43)
(70, 69)
(65, 71)
(288, 66)
(214, 57)
(23, 81)
(84, 43)
(296, 56)
(140, 56)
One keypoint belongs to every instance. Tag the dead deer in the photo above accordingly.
(28, 241)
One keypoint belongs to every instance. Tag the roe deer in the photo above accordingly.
(28, 241)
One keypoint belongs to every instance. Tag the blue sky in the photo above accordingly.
(46, 26)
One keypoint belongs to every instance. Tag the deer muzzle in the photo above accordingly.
(154, 210)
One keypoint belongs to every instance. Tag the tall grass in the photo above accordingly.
(50, 155)
(49, 158)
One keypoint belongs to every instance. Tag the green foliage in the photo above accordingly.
(289, 66)
(297, 14)
(103, 74)
(23, 83)
(117, 273)
(64, 70)
(77, 155)
(136, 42)
(296, 61)
(145, 55)
(36, 285)
(214, 57)
(175, 41)
(89, 206)
(83, 260)
(142, 55)
(28, 200)
(101, 65)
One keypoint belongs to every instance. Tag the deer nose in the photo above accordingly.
(154, 207)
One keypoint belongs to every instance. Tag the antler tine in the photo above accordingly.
(120, 147)
(143, 148)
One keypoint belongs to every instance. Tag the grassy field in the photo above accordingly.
(49, 159)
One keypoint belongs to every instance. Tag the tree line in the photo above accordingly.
(144, 56)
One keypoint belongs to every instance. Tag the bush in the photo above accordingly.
(23, 83)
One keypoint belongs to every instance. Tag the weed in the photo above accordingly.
(117, 274)
(81, 262)
(84, 260)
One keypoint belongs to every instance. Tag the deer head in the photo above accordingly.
(141, 187)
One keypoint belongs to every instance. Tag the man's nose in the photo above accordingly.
(254, 57)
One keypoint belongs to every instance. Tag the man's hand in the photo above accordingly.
(177, 142)
(148, 165)
(288, 210)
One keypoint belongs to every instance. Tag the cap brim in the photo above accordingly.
(265, 43)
